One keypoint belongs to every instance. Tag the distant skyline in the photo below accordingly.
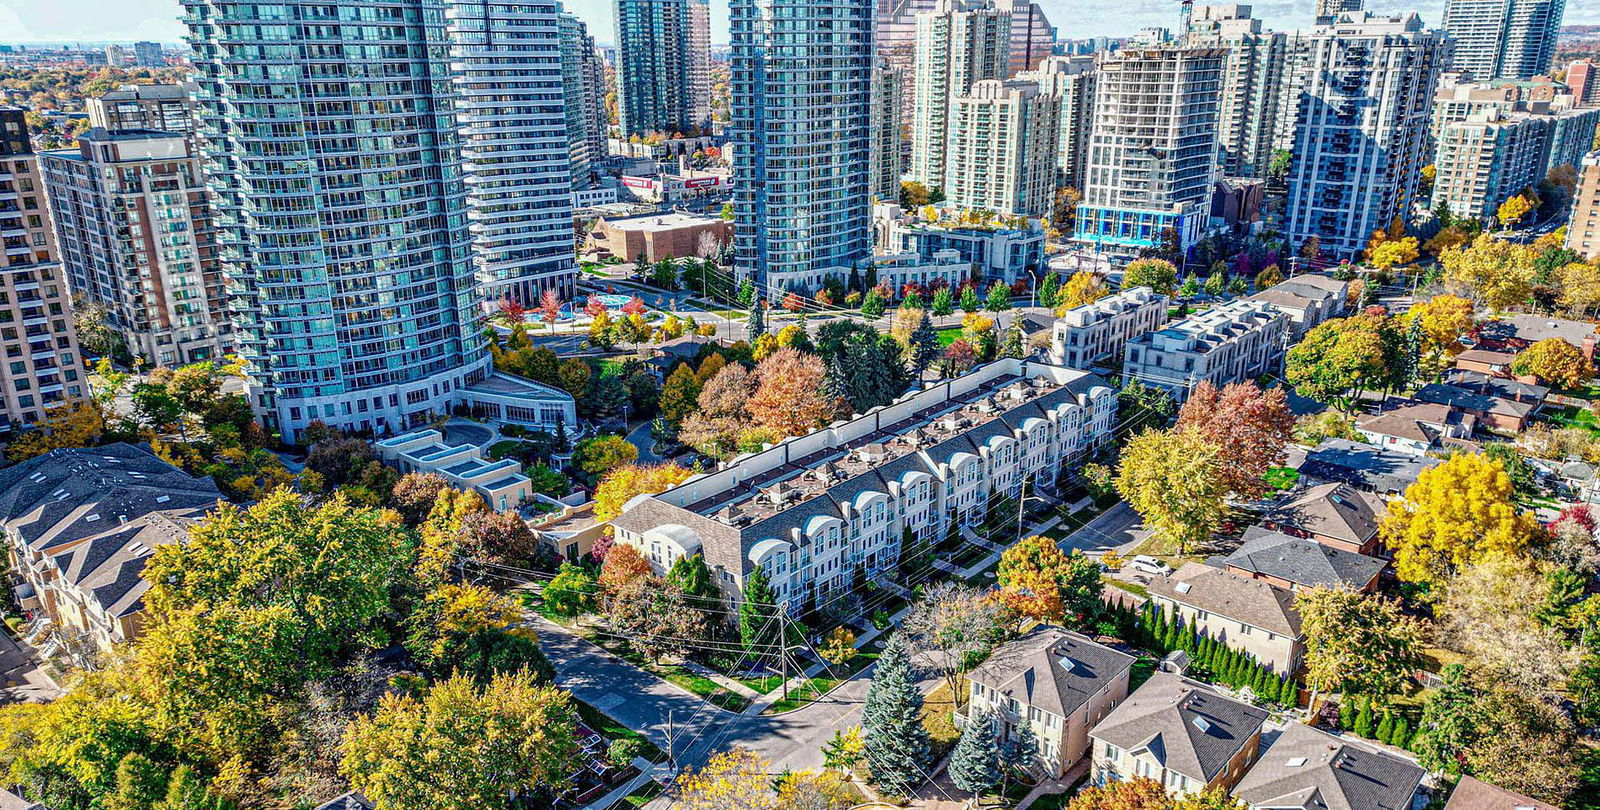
(74, 21)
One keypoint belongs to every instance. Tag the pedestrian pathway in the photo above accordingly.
(647, 771)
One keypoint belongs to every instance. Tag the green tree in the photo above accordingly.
(1174, 481)
(896, 744)
(975, 762)
(1450, 720)
(1357, 643)
(602, 454)
(462, 746)
(1049, 289)
(761, 621)
(969, 301)
(873, 305)
(571, 592)
(1345, 356)
(942, 306)
(1217, 283)
(679, 395)
(1157, 274)
(999, 299)
(690, 573)
(756, 326)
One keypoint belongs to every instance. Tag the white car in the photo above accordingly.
(1145, 564)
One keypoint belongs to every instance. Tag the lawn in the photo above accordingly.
(1574, 417)
(645, 793)
(501, 449)
(1131, 587)
(806, 692)
(948, 335)
(612, 730)
(936, 718)
(709, 690)
(1282, 478)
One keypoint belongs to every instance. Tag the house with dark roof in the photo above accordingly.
(1516, 332)
(1334, 514)
(1179, 732)
(80, 524)
(1292, 563)
(1475, 794)
(812, 511)
(1418, 428)
(1307, 769)
(1498, 403)
(349, 801)
(1246, 614)
(1367, 468)
(1057, 683)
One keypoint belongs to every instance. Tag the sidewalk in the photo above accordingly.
(646, 768)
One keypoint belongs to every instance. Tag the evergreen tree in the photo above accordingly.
(1411, 354)
(747, 293)
(1363, 725)
(1049, 289)
(1014, 346)
(760, 625)
(1347, 712)
(975, 763)
(758, 321)
(922, 347)
(1018, 753)
(691, 574)
(1216, 283)
(896, 744)
(1386, 727)
(1400, 735)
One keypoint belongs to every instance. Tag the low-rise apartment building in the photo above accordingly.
(1056, 682)
(79, 525)
(501, 483)
(1179, 732)
(1307, 300)
(1246, 614)
(1005, 250)
(659, 236)
(811, 511)
(1583, 226)
(1234, 342)
(1087, 333)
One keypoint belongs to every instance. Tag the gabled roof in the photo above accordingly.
(349, 801)
(1307, 769)
(1183, 724)
(1332, 510)
(1301, 561)
(1476, 794)
(11, 801)
(1422, 422)
(1364, 465)
(1231, 596)
(1053, 669)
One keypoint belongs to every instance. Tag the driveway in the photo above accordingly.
(21, 680)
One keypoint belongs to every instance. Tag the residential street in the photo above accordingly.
(1108, 530)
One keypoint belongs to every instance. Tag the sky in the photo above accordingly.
(129, 20)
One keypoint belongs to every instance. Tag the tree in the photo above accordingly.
(1248, 426)
(1507, 619)
(953, 626)
(756, 326)
(690, 574)
(1039, 581)
(1049, 289)
(68, 425)
(1513, 210)
(914, 194)
(1142, 406)
(621, 484)
(1458, 513)
(958, 358)
(653, 616)
(1157, 274)
(1083, 287)
(731, 780)
(1345, 355)
(1064, 208)
(461, 746)
(1216, 283)
(602, 454)
(789, 398)
(471, 630)
(1270, 277)
(845, 750)
(942, 305)
(866, 370)
(999, 298)
(1394, 253)
(896, 745)
(1357, 644)
(1497, 273)
(571, 592)
(1013, 344)
(1174, 481)
(1450, 721)
(975, 762)
(969, 300)
(761, 621)
(1579, 283)
(839, 646)
(678, 395)
(1556, 362)
(415, 493)
(1444, 319)
(873, 306)
(623, 564)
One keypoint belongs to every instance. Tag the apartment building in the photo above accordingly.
(663, 66)
(1583, 226)
(1007, 250)
(1503, 39)
(1032, 36)
(959, 43)
(501, 483)
(888, 135)
(583, 83)
(1363, 89)
(1566, 126)
(42, 363)
(163, 107)
(1153, 147)
(1329, 9)
(1056, 683)
(79, 526)
(131, 213)
(515, 150)
(1085, 334)
(1179, 732)
(148, 54)
(1252, 85)
(1071, 80)
(1234, 342)
(812, 511)
(1487, 159)
(1002, 148)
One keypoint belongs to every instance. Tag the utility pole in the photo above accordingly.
(672, 740)
(783, 650)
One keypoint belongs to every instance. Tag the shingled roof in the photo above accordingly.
(1475, 794)
(1334, 510)
(1051, 668)
(1231, 596)
(1301, 561)
(1307, 769)
(1189, 728)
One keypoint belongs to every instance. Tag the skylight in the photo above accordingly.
(1201, 723)
(1183, 587)
(1295, 762)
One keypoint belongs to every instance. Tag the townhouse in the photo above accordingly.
(811, 511)
(1057, 683)
(1306, 301)
(1234, 342)
(79, 526)
(1087, 333)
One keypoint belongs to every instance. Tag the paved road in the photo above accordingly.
(1108, 530)
(645, 703)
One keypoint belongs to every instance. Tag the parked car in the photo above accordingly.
(1146, 564)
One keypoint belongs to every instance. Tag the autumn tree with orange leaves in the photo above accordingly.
(790, 399)
(1041, 582)
(1249, 427)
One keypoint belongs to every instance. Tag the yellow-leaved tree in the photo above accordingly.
(1513, 210)
(1459, 513)
(1174, 481)
(1393, 253)
(1556, 362)
(1497, 273)
(1082, 288)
